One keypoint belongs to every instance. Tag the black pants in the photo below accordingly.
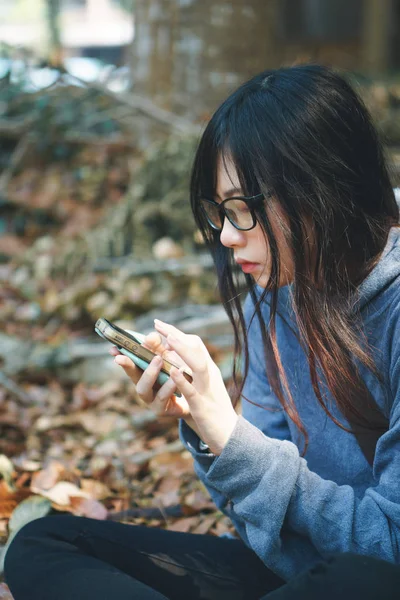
(64, 557)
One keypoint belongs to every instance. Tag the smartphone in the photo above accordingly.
(130, 344)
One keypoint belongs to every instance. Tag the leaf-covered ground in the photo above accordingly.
(96, 451)
(66, 445)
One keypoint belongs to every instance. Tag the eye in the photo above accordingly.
(239, 206)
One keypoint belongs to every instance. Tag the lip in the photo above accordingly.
(247, 267)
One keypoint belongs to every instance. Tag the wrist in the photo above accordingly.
(226, 436)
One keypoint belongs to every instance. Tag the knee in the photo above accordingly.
(40, 528)
(31, 537)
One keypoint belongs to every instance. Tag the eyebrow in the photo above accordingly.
(231, 192)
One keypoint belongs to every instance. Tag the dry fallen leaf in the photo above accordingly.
(196, 501)
(10, 498)
(168, 490)
(48, 477)
(185, 525)
(100, 424)
(205, 525)
(87, 507)
(61, 493)
(95, 489)
(177, 463)
(84, 396)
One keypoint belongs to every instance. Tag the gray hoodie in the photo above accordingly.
(294, 511)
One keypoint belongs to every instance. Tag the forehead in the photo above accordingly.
(227, 176)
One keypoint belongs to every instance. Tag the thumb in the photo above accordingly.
(154, 342)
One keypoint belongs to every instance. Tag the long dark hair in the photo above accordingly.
(303, 134)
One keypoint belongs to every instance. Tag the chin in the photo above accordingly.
(261, 281)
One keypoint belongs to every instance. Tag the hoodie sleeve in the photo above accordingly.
(290, 516)
(257, 513)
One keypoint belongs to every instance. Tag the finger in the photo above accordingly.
(194, 357)
(194, 341)
(172, 357)
(157, 344)
(132, 370)
(144, 386)
(114, 351)
(164, 397)
(167, 329)
(186, 388)
(154, 342)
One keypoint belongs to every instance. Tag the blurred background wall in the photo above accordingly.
(188, 53)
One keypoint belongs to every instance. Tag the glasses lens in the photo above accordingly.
(239, 214)
(212, 213)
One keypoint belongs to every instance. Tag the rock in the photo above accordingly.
(167, 248)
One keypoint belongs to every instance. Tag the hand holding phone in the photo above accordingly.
(130, 343)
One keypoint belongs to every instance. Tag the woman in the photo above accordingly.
(290, 187)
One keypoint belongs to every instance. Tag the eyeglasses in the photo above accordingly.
(239, 211)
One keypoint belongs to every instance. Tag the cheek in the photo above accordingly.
(258, 239)
(264, 254)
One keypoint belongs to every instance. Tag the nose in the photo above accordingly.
(230, 236)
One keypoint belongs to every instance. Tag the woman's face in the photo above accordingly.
(250, 248)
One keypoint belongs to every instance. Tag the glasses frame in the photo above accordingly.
(251, 202)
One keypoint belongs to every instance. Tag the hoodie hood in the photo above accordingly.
(384, 273)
